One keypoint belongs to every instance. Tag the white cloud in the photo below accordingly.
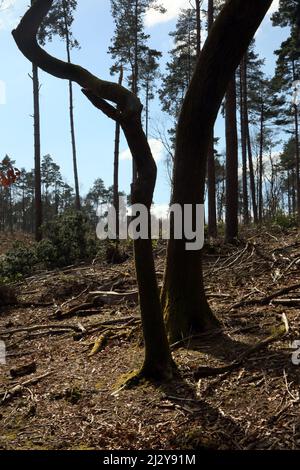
(160, 211)
(157, 149)
(173, 7)
(153, 17)
(7, 16)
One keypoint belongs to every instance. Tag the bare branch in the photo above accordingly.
(109, 110)
(25, 36)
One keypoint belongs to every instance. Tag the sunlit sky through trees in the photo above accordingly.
(93, 27)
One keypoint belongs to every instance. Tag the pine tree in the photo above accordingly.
(232, 186)
(287, 69)
(58, 23)
(129, 50)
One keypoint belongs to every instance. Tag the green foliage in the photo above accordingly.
(17, 262)
(69, 239)
(285, 221)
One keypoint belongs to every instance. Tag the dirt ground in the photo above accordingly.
(79, 405)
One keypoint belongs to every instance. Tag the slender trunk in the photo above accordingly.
(135, 77)
(232, 185)
(116, 168)
(198, 26)
(147, 108)
(158, 362)
(37, 154)
(211, 184)
(211, 170)
(244, 141)
(289, 193)
(72, 123)
(297, 153)
(261, 151)
(252, 176)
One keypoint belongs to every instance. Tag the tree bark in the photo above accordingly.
(198, 26)
(116, 168)
(249, 146)
(232, 184)
(244, 140)
(211, 170)
(37, 154)
(297, 153)
(72, 124)
(185, 306)
(260, 171)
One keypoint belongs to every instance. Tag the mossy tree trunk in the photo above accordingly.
(184, 302)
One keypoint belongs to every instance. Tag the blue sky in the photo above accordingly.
(93, 27)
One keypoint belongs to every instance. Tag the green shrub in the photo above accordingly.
(285, 221)
(69, 239)
(18, 262)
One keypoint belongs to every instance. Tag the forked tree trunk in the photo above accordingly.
(185, 306)
(232, 183)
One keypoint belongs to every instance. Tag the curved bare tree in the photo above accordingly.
(158, 363)
(184, 301)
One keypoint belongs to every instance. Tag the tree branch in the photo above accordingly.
(25, 36)
(109, 110)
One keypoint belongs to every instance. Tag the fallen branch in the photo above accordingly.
(40, 327)
(8, 395)
(25, 369)
(213, 371)
(266, 300)
(287, 302)
(111, 297)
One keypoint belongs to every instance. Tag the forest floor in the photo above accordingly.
(72, 400)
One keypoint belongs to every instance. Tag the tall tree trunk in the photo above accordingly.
(232, 184)
(260, 176)
(135, 77)
(244, 141)
(249, 146)
(185, 305)
(147, 109)
(198, 25)
(72, 124)
(116, 168)
(297, 153)
(211, 170)
(37, 154)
